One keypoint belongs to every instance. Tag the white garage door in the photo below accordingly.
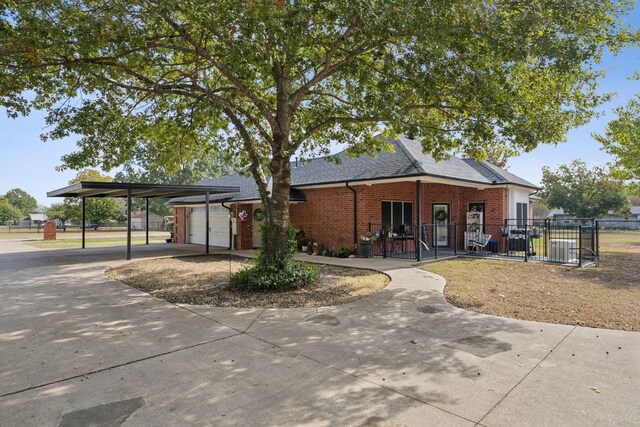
(218, 226)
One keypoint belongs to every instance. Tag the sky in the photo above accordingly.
(30, 164)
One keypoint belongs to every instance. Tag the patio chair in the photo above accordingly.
(479, 244)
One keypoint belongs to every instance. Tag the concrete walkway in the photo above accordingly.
(78, 348)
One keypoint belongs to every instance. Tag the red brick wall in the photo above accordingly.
(244, 234)
(327, 215)
(180, 224)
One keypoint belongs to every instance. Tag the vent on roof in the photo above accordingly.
(410, 135)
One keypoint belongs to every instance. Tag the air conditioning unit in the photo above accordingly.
(564, 251)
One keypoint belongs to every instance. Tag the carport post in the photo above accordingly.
(128, 224)
(146, 226)
(206, 222)
(83, 221)
(417, 232)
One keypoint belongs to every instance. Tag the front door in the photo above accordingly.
(441, 217)
(256, 225)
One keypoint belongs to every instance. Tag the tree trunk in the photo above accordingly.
(275, 235)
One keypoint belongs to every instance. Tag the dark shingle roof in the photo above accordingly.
(407, 160)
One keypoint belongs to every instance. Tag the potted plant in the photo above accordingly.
(365, 244)
(316, 248)
(304, 244)
(169, 227)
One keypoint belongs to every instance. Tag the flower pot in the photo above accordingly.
(365, 250)
(305, 248)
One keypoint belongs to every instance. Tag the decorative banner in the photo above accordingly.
(243, 215)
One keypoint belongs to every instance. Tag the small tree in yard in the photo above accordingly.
(583, 191)
(8, 212)
(262, 80)
(97, 210)
(22, 201)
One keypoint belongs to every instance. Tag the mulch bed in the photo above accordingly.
(204, 280)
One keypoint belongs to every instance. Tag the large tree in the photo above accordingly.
(22, 201)
(97, 209)
(261, 80)
(622, 139)
(583, 191)
(144, 169)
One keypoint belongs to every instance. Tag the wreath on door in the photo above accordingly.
(258, 215)
(441, 215)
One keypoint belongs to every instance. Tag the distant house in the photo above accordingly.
(138, 221)
(33, 220)
(335, 203)
(612, 220)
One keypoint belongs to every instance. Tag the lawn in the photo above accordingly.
(93, 242)
(604, 297)
(204, 280)
(26, 233)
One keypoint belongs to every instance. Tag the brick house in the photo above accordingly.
(335, 203)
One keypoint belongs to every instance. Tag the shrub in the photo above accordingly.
(294, 274)
(280, 273)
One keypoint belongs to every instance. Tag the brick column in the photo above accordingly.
(50, 230)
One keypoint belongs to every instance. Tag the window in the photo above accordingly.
(521, 213)
(397, 214)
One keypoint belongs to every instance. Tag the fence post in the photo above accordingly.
(455, 239)
(526, 242)
(435, 239)
(384, 243)
(547, 235)
(597, 242)
(580, 245)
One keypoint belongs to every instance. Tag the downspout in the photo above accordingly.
(355, 214)
(230, 227)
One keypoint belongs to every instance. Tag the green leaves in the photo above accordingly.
(21, 200)
(622, 138)
(583, 191)
(465, 75)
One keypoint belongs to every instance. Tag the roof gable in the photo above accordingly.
(406, 160)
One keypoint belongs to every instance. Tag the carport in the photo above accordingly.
(85, 189)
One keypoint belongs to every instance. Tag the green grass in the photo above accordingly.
(92, 242)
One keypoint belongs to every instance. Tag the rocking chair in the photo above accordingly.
(480, 243)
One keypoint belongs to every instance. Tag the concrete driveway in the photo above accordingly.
(77, 349)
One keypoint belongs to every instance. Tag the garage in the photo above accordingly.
(218, 226)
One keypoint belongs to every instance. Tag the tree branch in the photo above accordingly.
(262, 106)
(330, 122)
(256, 165)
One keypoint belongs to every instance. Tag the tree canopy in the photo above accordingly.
(97, 209)
(8, 212)
(262, 80)
(583, 191)
(22, 201)
(622, 138)
(143, 169)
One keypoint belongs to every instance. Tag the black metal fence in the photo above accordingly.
(402, 241)
(573, 242)
(618, 242)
